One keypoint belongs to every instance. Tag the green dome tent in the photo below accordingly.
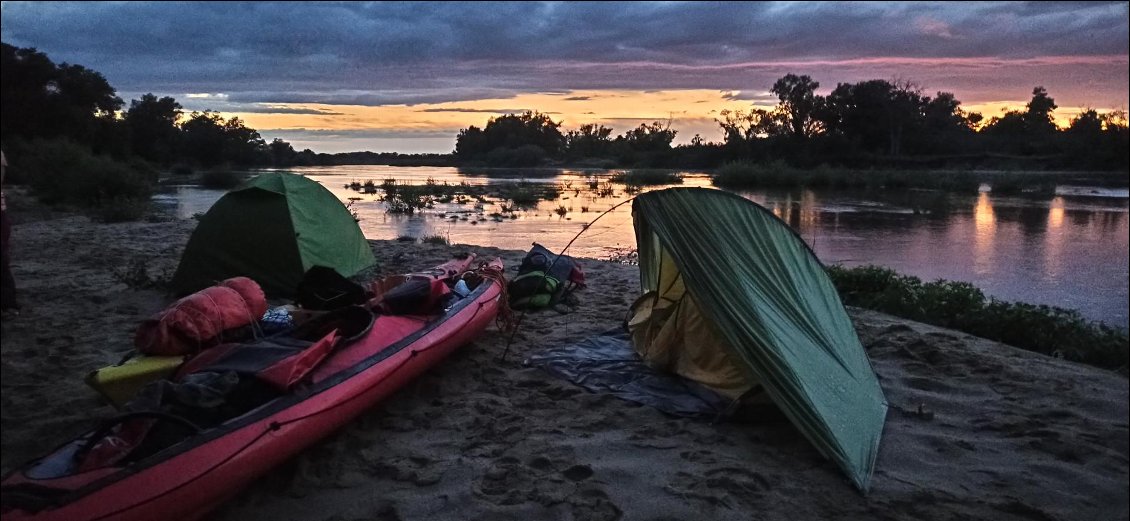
(272, 229)
(735, 300)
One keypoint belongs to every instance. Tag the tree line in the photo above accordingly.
(47, 101)
(865, 124)
(875, 123)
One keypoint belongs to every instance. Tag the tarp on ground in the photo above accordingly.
(607, 363)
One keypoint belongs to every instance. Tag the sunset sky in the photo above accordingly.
(406, 77)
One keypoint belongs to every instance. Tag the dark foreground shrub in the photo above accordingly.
(63, 172)
(959, 305)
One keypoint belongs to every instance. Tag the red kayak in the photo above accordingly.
(286, 392)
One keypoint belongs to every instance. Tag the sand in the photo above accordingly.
(1006, 434)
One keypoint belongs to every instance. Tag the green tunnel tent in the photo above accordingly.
(734, 299)
(272, 228)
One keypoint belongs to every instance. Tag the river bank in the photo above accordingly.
(1009, 434)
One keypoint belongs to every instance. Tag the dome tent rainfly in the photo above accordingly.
(272, 228)
(734, 298)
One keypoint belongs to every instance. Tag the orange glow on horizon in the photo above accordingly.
(690, 112)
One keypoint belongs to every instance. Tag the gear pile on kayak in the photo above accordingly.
(212, 414)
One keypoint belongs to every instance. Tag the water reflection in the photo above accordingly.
(1054, 240)
(986, 223)
(1069, 251)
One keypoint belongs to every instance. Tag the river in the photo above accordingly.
(1070, 250)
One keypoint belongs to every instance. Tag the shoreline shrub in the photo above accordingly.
(1043, 329)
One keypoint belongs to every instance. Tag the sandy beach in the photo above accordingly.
(1006, 434)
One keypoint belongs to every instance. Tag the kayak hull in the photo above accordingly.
(187, 484)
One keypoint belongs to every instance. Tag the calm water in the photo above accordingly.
(1069, 251)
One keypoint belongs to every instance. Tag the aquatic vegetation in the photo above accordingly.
(526, 194)
(435, 239)
(647, 177)
(403, 198)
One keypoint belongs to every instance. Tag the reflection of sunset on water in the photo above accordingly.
(1054, 240)
(986, 227)
(1055, 214)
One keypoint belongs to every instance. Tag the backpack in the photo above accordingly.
(544, 279)
(534, 290)
(561, 267)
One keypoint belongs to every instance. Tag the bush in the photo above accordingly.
(435, 239)
(739, 175)
(63, 172)
(647, 176)
(960, 305)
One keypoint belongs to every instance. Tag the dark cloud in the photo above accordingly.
(363, 133)
(373, 98)
(286, 110)
(751, 95)
(378, 53)
(485, 111)
(578, 98)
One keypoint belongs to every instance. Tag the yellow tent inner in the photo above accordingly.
(672, 335)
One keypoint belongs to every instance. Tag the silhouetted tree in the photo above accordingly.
(153, 127)
(1039, 118)
(743, 130)
(211, 141)
(798, 103)
(590, 140)
(282, 154)
(647, 145)
(243, 145)
(945, 127)
(1098, 141)
(41, 99)
(512, 140)
(655, 136)
(204, 138)
(874, 114)
(1029, 132)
